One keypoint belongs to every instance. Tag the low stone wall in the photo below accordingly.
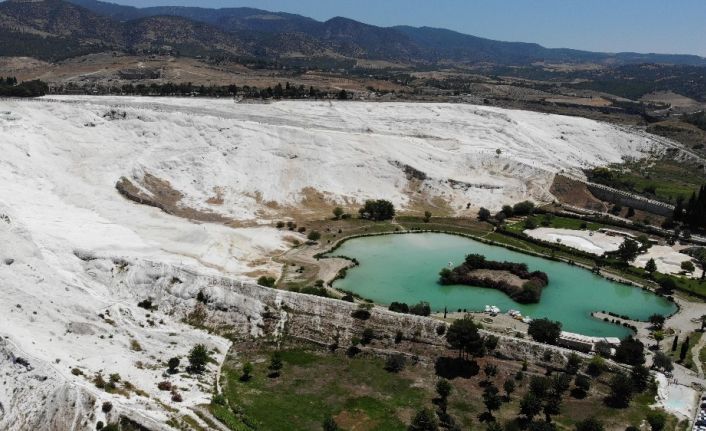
(632, 200)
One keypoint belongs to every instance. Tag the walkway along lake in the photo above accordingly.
(405, 268)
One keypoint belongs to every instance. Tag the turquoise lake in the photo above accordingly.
(405, 268)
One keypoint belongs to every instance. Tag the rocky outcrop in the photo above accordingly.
(241, 308)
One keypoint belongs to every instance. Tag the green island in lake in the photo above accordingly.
(514, 279)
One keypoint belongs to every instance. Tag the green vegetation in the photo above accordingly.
(557, 222)
(698, 119)
(663, 179)
(348, 389)
(528, 292)
(10, 88)
(378, 210)
(317, 388)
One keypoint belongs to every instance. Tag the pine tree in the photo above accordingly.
(684, 350)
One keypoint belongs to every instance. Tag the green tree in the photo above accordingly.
(640, 377)
(684, 350)
(675, 342)
(523, 208)
(463, 336)
(701, 257)
(630, 351)
(544, 330)
(628, 250)
(596, 366)
(377, 210)
(583, 385)
(509, 387)
(247, 372)
(424, 420)
(314, 236)
(573, 364)
(656, 320)
(490, 370)
(443, 389)
(530, 406)
(337, 213)
(657, 420)
(590, 424)
(688, 266)
(507, 209)
(621, 391)
(198, 358)
(483, 214)
(491, 399)
(172, 365)
(651, 266)
(276, 364)
(427, 216)
(552, 407)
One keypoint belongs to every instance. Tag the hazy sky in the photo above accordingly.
(663, 26)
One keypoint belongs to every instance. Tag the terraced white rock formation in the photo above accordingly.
(66, 233)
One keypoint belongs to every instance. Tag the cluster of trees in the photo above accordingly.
(420, 309)
(279, 91)
(698, 119)
(9, 87)
(544, 331)
(693, 212)
(524, 208)
(377, 210)
(529, 292)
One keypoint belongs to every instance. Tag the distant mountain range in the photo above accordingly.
(56, 29)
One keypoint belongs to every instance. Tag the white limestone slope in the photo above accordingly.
(258, 153)
(60, 160)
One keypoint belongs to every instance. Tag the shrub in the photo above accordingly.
(107, 407)
(368, 336)
(596, 366)
(198, 358)
(276, 364)
(314, 236)
(177, 398)
(420, 309)
(589, 424)
(399, 307)
(146, 304)
(337, 213)
(135, 346)
(573, 364)
(361, 313)
(164, 386)
(266, 281)
(173, 365)
(441, 330)
(450, 368)
(395, 363)
(483, 214)
(247, 372)
(352, 351)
